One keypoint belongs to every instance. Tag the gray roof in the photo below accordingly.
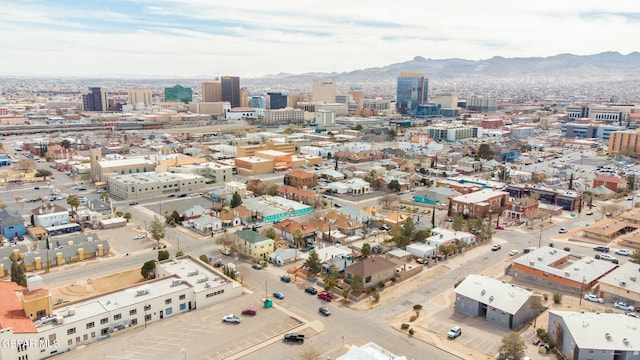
(7, 219)
(587, 269)
(602, 331)
(497, 294)
(626, 276)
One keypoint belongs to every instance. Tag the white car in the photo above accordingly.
(607, 257)
(623, 306)
(594, 298)
(513, 252)
(623, 252)
(562, 230)
(231, 319)
(138, 237)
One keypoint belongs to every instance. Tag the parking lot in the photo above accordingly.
(200, 334)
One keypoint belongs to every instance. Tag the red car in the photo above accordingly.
(325, 296)
(250, 312)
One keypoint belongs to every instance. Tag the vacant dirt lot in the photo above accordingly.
(90, 287)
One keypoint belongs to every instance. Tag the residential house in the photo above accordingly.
(468, 162)
(195, 212)
(608, 229)
(11, 226)
(99, 206)
(253, 245)
(305, 196)
(500, 303)
(48, 215)
(613, 183)
(371, 271)
(205, 224)
(288, 227)
(283, 256)
(622, 285)
(584, 335)
(520, 209)
(436, 195)
(465, 170)
(229, 217)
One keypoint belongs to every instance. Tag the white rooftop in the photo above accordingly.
(154, 176)
(589, 330)
(369, 351)
(479, 196)
(201, 278)
(626, 276)
(330, 252)
(495, 293)
(125, 162)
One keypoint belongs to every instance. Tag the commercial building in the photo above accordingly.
(258, 102)
(567, 199)
(11, 225)
(500, 303)
(624, 143)
(211, 91)
(41, 329)
(96, 100)
(253, 165)
(150, 184)
(275, 208)
(178, 93)
(277, 100)
(101, 168)
(584, 335)
(622, 285)
(231, 90)
(453, 132)
(139, 96)
(371, 271)
(412, 91)
(323, 91)
(251, 150)
(479, 204)
(369, 351)
(50, 214)
(282, 116)
(589, 130)
(482, 103)
(217, 172)
(301, 179)
(553, 268)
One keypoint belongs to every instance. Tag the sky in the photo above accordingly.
(252, 38)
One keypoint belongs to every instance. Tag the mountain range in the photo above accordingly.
(602, 66)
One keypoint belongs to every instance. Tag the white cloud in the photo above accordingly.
(252, 38)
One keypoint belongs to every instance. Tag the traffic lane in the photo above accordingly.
(201, 333)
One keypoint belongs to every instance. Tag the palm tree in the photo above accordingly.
(104, 196)
(74, 202)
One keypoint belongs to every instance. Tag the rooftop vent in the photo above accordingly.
(141, 292)
(482, 292)
(490, 298)
(192, 273)
(633, 278)
(608, 336)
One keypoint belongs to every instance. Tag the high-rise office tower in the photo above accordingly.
(96, 100)
(257, 102)
(411, 92)
(178, 93)
(139, 96)
(277, 100)
(323, 90)
(356, 93)
(231, 90)
(211, 91)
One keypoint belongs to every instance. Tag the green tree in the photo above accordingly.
(127, 216)
(485, 152)
(148, 269)
(17, 271)
(104, 196)
(156, 229)
(298, 238)
(366, 250)
(43, 173)
(422, 235)
(65, 143)
(272, 190)
(503, 174)
(512, 347)
(345, 293)
(163, 255)
(635, 257)
(571, 182)
(356, 283)
(236, 200)
(204, 258)
(313, 263)
(394, 185)
(557, 297)
(409, 228)
(457, 223)
(74, 202)
(179, 253)
(330, 283)
(26, 165)
(271, 233)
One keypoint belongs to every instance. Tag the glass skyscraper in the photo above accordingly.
(411, 92)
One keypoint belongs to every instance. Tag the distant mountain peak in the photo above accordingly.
(419, 59)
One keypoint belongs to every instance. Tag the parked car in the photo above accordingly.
(384, 227)
(324, 311)
(562, 230)
(298, 338)
(594, 298)
(172, 195)
(496, 247)
(623, 252)
(624, 306)
(134, 203)
(606, 257)
(632, 314)
(231, 319)
(36, 188)
(285, 278)
(589, 212)
(499, 227)
(249, 312)
(601, 248)
(278, 295)
(513, 252)
(455, 332)
(310, 290)
(257, 266)
(182, 195)
(325, 296)
(138, 237)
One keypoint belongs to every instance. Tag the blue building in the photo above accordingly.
(277, 100)
(4, 160)
(411, 92)
(257, 102)
(12, 226)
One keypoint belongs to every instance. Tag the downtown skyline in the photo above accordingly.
(185, 38)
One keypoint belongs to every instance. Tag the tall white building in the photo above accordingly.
(323, 91)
